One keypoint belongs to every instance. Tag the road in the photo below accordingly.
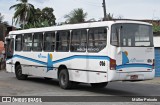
(36, 86)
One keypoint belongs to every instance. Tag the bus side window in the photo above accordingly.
(27, 42)
(18, 43)
(62, 41)
(49, 41)
(37, 41)
(97, 39)
(78, 40)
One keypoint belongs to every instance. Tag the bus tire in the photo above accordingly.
(64, 81)
(99, 85)
(19, 74)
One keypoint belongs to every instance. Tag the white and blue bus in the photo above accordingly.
(95, 53)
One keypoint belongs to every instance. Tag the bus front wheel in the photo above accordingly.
(19, 74)
(64, 81)
(99, 85)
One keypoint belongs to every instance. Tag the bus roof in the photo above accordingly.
(75, 26)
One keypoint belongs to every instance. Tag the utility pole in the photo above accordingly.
(104, 10)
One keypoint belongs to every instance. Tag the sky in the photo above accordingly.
(128, 9)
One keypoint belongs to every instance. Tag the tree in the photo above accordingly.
(23, 11)
(76, 16)
(156, 27)
(37, 24)
(110, 16)
(1, 18)
(41, 18)
(36, 17)
(47, 14)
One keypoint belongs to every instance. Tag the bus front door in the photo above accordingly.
(9, 54)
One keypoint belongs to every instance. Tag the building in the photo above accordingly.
(4, 30)
(157, 54)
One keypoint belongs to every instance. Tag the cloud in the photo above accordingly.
(39, 1)
(135, 9)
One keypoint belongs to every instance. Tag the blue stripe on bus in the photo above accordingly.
(64, 59)
(134, 65)
(82, 57)
(85, 57)
(30, 59)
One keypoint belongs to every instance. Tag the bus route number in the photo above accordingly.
(102, 63)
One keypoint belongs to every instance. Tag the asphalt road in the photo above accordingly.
(36, 86)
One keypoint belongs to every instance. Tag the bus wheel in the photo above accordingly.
(19, 74)
(64, 79)
(99, 85)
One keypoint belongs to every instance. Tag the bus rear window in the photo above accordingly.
(131, 35)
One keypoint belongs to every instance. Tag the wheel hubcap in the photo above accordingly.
(63, 79)
(19, 72)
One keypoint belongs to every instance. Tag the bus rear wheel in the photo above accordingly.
(19, 74)
(64, 81)
(99, 85)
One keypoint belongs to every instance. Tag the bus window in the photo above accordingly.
(37, 41)
(18, 44)
(114, 37)
(62, 41)
(97, 38)
(131, 35)
(49, 41)
(27, 42)
(78, 40)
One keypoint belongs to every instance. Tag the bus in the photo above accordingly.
(94, 53)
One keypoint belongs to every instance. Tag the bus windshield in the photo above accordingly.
(131, 35)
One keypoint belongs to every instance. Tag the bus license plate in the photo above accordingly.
(134, 77)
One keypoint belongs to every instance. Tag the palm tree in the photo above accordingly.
(110, 16)
(76, 16)
(23, 11)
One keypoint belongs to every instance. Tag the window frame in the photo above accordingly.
(81, 41)
(38, 42)
(21, 42)
(88, 41)
(54, 36)
(68, 41)
(120, 38)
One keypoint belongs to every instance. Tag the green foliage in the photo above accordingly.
(23, 11)
(37, 24)
(1, 20)
(156, 27)
(41, 18)
(109, 17)
(76, 16)
(47, 13)
(1, 17)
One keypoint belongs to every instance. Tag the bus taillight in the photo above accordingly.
(112, 64)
